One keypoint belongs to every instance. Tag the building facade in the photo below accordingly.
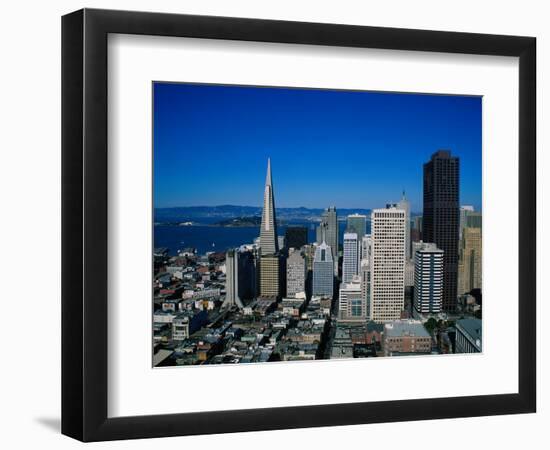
(240, 276)
(405, 205)
(323, 271)
(366, 290)
(272, 276)
(327, 232)
(296, 273)
(405, 337)
(351, 305)
(388, 264)
(441, 217)
(468, 336)
(350, 262)
(470, 258)
(357, 223)
(296, 237)
(464, 211)
(428, 279)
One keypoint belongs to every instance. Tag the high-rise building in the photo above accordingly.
(388, 264)
(366, 291)
(409, 273)
(295, 273)
(416, 232)
(428, 279)
(351, 305)
(464, 210)
(268, 231)
(350, 263)
(240, 285)
(296, 237)
(366, 246)
(323, 271)
(281, 242)
(327, 232)
(405, 205)
(441, 217)
(272, 276)
(357, 223)
(473, 220)
(417, 223)
(272, 265)
(469, 266)
(309, 254)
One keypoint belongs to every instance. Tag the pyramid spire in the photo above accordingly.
(268, 230)
(268, 175)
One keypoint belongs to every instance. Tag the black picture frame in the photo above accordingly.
(84, 224)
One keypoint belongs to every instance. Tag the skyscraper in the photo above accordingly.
(366, 274)
(441, 217)
(272, 276)
(350, 263)
(295, 273)
(473, 219)
(296, 237)
(406, 206)
(323, 271)
(428, 279)
(268, 230)
(328, 232)
(272, 267)
(469, 266)
(464, 210)
(366, 247)
(416, 232)
(240, 284)
(357, 223)
(388, 264)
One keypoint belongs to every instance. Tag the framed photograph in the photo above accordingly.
(273, 224)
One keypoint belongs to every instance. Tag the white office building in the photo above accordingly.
(388, 263)
(351, 306)
(350, 263)
(366, 274)
(428, 279)
(366, 247)
(295, 273)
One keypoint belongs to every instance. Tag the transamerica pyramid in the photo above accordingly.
(268, 231)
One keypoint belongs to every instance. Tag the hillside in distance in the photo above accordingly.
(212, 214)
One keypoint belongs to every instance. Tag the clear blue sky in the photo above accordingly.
(343, 148)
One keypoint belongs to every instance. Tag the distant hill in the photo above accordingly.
(213, 214)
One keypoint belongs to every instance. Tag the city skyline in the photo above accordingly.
(278, 293)
(370, 126)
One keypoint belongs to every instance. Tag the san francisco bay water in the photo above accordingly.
(216, 239)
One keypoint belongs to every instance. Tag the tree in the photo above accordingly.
(430, 325)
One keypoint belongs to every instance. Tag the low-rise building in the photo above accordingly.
(405, 337)
(186, 323)
(293, 307)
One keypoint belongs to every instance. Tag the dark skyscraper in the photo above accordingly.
(441, 217)
(296, 237)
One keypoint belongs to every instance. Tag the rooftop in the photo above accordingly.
(471, 326)
(408, 327)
